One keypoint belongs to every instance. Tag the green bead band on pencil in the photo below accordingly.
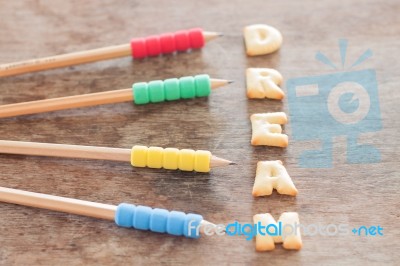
(188, 89)
(140, 93)
(171, 89)
(156, 91)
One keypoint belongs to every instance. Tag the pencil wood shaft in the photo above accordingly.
(65, 150)
(64, 60)
(69, 102)
(55, 203)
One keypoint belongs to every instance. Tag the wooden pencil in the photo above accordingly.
(77, 101)
(76, 58)
(66, 205)
(79, 151)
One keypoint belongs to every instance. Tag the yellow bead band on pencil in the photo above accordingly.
(171, 158)
(138, 156)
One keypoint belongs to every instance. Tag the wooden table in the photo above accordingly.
(354, 194)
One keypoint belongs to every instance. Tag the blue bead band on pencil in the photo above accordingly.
(158, 220)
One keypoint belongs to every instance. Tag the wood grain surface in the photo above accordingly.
(360, 194)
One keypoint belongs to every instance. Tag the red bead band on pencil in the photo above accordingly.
(167, 43)
(182, 41)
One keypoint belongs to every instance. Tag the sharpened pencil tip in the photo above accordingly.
(208, 35)
(217, 162)
(216, 83)
(230, 81)
(232, 163)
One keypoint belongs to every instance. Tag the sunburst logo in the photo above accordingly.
(343, 103)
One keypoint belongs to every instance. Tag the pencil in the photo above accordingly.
(99, 98)
(124, 215)
(138, 48)
(138, 156)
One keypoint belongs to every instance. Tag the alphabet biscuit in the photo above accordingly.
(272, 175)
(263, 83)
(261, 39)
(267, 129)
(289, 236)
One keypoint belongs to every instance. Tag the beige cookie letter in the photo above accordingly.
(261, 39)
(264, 240)
(267, 129)
(285, 231)
(264, 83)
(291, 236)
(272, 175)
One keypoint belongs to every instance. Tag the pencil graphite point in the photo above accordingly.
(208, 36)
